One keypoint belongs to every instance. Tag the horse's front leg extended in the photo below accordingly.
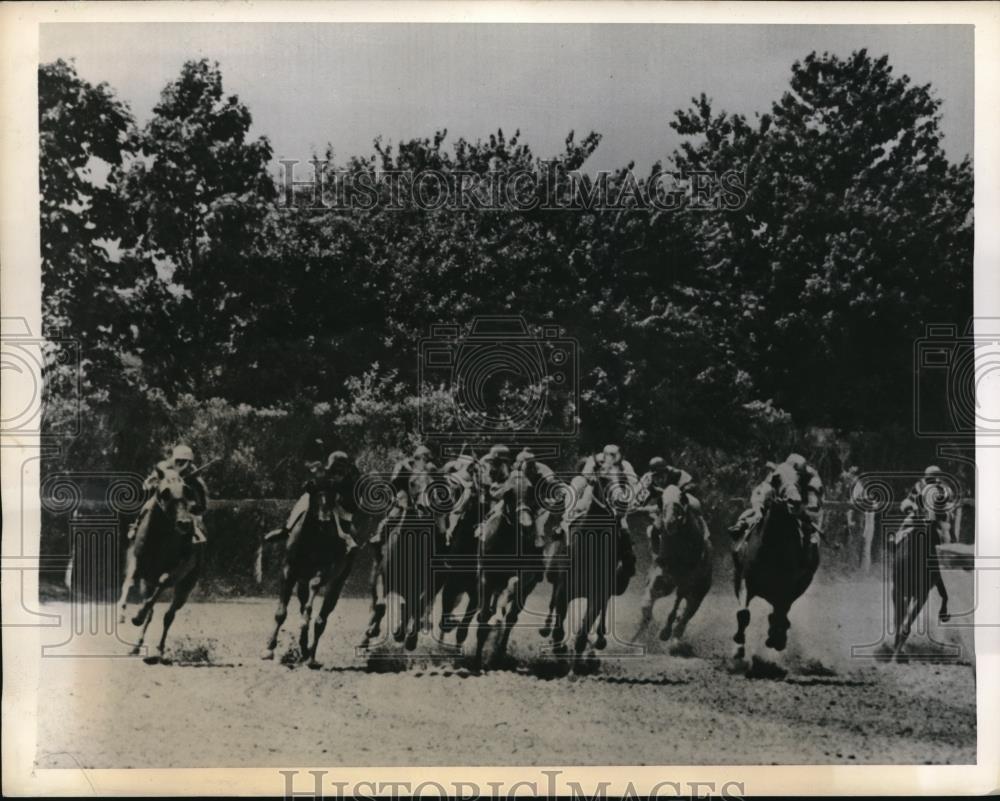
(331, 594)
(315, 583)
(742, 621)
(281, 613)
(128, 583)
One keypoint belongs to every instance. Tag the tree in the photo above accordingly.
(198, 198)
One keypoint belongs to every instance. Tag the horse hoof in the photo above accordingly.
(267, 653)
(410, 642)
(943, 616)
(314, 665)
(739, 653)
(558, 634)
(580, 644)
(138, 620)
(544, 632)
(665, 634)
(601, 642)
(136, 650)
(461, 634)
(152, 659)
(121, 618)
(646, 612)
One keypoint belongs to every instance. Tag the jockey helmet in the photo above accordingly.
(658, 464)
(337, 459)
(498, 453)
(183, 454)
(932, 471)
(797, 460)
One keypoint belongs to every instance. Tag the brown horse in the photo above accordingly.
(316, 561)
(509, 568)
(773, 562)
(914, 572)
(163, 555)
(683, 563)
(592, 569)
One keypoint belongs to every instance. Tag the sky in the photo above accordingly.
(308, 85)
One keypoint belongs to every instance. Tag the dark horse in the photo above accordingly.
(163, 555)
(683, 563)
(509, 568)
(316, 560)
(462, 550)
(914, 553)
(773, 562)
(592, 568)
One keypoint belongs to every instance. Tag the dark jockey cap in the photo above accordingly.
(658, 464)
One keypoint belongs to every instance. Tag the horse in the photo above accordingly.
(683, 563)
(316, 561)
(163, 555)
(913, 549)
(412, 535)
(772, 562)
(509, 567)
(462, 548)
(592, 569)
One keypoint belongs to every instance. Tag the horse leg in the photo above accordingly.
(307, 608)
(128, 583)
(377, 604)
(449, 600)
(777, 628)
(742, 621)
(602, 641)
(693, 596)
(550, 618)
(668, 627)
(472, 592)
(181, 592)
(938, 580)
(281, 613)
(331, 594)
(586, 623)
(487, 603)
(145, 593)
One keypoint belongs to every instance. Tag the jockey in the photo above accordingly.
(812, 494)
(339, 476)
(660, 476)
(540, 475)
(611, 465)
(934, 500)
(495, 470)
(182, 460)
(408, 479)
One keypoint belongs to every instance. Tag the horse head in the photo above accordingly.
(174, 499)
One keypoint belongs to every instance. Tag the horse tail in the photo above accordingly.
(258, 562)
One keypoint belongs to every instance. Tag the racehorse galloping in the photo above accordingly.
(592, 566)
(510, 566)
(316, 560)
(163, 555)
(683, 564)
(913, 552)
(773, 562)
(462, 547)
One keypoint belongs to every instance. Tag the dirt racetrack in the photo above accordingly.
(218, 704)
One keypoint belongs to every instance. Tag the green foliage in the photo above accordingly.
(718, 337)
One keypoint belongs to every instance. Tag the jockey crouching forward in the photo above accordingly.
(409, 480)
(651, 486)
(621, 488)
(339, 478)
(811, 487)
(182, 460)
(544, 485)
